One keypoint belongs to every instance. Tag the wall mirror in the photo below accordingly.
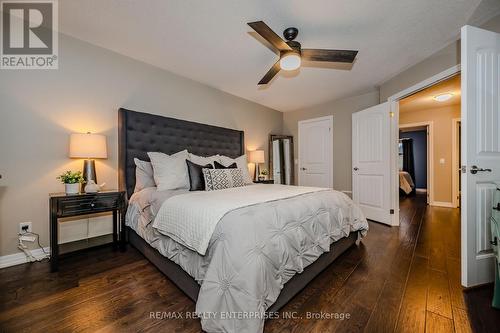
(281, 159)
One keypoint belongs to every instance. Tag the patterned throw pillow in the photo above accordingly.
(218, 179)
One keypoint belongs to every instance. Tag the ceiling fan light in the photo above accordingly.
(290, 62)
(443, 97)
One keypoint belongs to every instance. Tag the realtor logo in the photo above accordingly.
(29, 35)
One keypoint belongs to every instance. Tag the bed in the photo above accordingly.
(406, 184)
(256, 260)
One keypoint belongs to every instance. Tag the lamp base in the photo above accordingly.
(88, 172)
(257, 171)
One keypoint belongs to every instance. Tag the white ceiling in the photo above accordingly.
(209, 41)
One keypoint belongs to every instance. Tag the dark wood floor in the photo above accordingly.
(404, 279)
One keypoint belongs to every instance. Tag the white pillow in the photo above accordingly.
(170, 171)
(143, 175)
(201, 160)
(241, 163)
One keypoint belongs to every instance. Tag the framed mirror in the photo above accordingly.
(281, 159)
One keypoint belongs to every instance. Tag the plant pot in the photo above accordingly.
(72, 188)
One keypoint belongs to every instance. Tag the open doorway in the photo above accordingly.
(415, 162)
(429, 148)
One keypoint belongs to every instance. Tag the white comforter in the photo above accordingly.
(191, 218)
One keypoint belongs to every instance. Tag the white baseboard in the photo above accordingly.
(20, 258)
(442, 204)
(421, 190)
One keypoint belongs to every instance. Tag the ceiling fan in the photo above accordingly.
(291, 54)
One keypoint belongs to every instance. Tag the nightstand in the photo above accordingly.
(63, 205)
(265, 181)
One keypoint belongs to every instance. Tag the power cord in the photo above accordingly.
(27, 252)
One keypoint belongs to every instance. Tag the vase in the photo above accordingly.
(72, 188)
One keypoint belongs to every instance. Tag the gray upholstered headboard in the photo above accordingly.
(139, 133)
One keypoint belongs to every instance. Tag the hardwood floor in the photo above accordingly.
(404, 279)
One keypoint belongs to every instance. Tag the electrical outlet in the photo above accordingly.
(24, 227)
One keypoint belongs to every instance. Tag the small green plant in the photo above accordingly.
(264, 172)
(70, 177)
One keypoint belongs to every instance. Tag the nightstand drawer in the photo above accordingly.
(86, 205)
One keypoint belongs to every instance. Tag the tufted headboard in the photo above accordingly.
(139, 133)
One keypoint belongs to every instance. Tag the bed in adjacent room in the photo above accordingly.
(240, 252)
(406, 184)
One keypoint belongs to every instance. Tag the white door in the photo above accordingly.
(371, 147)
(316, 152)
(480, 150)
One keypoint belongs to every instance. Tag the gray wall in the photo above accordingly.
(341, 110)
(40, 108)
(445, 58)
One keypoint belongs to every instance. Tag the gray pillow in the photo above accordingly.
(143, 175)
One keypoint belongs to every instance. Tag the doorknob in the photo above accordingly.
(303, 169)
(356, 169)
(474, 169)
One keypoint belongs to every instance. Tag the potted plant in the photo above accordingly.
(263, 174)
(71, 181)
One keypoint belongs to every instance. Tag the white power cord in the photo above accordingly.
(21, 246)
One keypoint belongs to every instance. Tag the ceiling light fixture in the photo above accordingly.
(443, 97)
(290, 61)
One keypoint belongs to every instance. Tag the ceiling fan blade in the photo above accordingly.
(270, 73)
(262, 29)
(328, 55)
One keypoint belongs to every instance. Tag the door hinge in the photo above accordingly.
(391, 211)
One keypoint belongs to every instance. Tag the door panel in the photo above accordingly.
(316, 152)
(484, 201)
(480, 148)
(371, 162)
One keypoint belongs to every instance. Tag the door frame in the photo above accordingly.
(455, 153)
(330, 164)
(394, 103)
(429, 125)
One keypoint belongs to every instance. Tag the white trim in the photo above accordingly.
(421, 190)
(394, 163)
(429, 125)
(444, 75)
(330, 164)
(20, 258)
(442, 204)
(394, 103)
(454, 161)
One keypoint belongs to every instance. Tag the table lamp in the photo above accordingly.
(256, 157)
(88, 146)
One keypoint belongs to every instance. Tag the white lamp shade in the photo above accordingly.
(87, 146)
(256, 156)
